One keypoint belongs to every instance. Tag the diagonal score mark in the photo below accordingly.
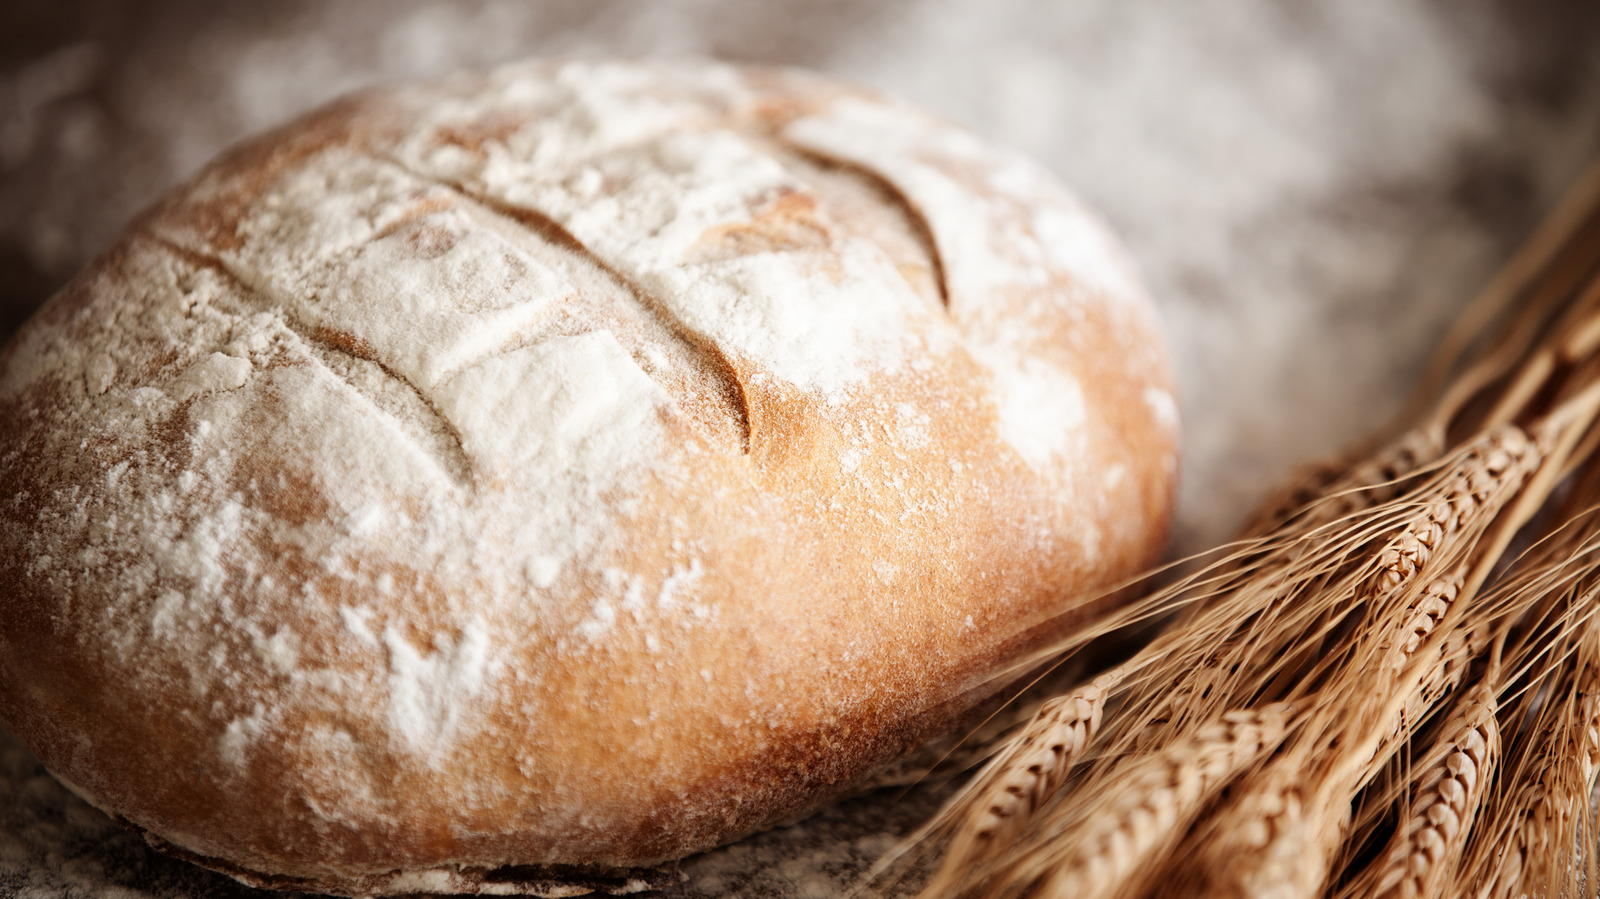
(921, 228)
(454, 460)
(553, 232)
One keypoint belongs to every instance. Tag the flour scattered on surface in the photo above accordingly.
(358, 621)
(602, 617)
(680, 581)
(1114, 477)
(850, 460)
(99, 374)
(165, 613)
(217, 371)
(887, 571)
(367, 520)
(1041, 408)
(431, 690)
(1078, 243)
(911, 424)
(543, 570)
(281, 651)
(198, 554)
(1163, 405)
(241, 734)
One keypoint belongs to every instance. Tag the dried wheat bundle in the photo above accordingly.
(1447, 790)
(1279, 831)
(1388, 687)
(1541, 608)
(1541, 810)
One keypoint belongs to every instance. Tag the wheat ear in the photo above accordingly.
(1426, 848)
(1526, 836)
(1278, 835)
(1552, 813)
(1147, 804)
(1327, 492)
(1016, 783)
(1271, 840)
(1536, 836)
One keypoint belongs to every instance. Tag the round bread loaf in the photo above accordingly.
(579, 465)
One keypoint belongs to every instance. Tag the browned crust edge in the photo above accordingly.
(545, 881)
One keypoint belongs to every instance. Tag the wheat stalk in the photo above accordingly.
(1447, 518)
(1442, 673)
(1272, 839)
(1330, 491)
(1532, 852)
(1449, 789)
(1279, 834)
(1017, 782)
(1152, 798)
(1450, 795)
(1523, 861)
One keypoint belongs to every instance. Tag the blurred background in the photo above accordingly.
(1313, 190)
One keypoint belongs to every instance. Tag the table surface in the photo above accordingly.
(1312, 191)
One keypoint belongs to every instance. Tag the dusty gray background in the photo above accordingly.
(1312, 190)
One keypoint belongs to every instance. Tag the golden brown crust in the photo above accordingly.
(584, 464)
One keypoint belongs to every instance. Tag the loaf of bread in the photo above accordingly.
(497, 485)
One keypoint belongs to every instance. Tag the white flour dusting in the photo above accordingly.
(1041, 409)
(431, 688)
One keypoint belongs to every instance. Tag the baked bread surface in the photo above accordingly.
(581, 464)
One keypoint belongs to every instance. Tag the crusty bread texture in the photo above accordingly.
(582, 464)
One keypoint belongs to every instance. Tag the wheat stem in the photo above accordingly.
(1152, 798)
(995, 807)
(1448, 791)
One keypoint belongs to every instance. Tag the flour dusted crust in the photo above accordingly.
(492, 485)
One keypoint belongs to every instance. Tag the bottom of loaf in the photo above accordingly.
(549, 881)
